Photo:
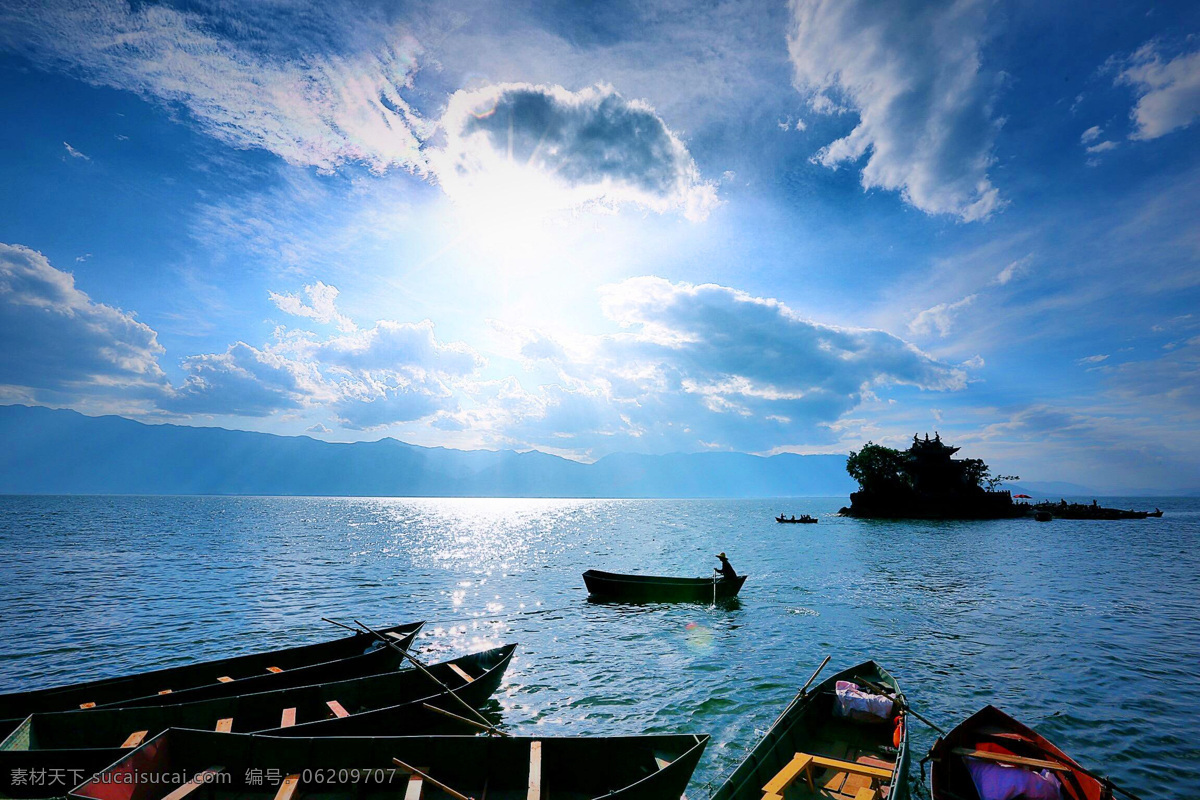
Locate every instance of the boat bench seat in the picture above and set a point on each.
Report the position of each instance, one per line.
(805, 763)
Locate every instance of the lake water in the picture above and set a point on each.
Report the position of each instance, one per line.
(1087, 631)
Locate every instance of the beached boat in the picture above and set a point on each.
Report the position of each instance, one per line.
(802, 519)
(991, 754)
(391, 704)
(240, 767)
(657, 589)
(112, 691)
(832, 742)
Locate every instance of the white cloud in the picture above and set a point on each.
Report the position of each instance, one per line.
(939, 318)
(321, 306)
(316, 102)
(389, 373)
(318, 428)
(1168, 90)
(1096, 359)
(553, 149)
(1091, 134)
(709, 363)
(1014, 269)
(58, 341)
(73, 153)
(914, 73)
(1102, 147)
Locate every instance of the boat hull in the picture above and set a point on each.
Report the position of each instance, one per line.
(119, 690)
(570, 768)
(613, 587)
(992, 730)
(83, 742)
(806, 725)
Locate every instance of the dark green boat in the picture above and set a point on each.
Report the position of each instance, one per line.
(810, 752)
(114, 691)
(243, 767)
(614, 587)
(82, 742)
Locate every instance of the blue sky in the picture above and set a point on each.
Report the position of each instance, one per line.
(585, 229)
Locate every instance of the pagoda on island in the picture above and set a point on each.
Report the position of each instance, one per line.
(925, 482)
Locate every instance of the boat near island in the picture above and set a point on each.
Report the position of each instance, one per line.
(614, 587)
(990, 754)
(847, 739)
(803, 518)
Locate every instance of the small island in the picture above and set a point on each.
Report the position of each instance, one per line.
(926, 482)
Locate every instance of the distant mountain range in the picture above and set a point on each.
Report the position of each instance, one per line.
(52, 451)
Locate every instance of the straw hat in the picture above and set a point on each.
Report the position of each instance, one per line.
(721, 556)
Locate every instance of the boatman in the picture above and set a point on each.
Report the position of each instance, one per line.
(726, 568)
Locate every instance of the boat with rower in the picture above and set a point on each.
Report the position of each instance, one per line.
(392, 704)
(614, 587)
(168, 680)
(803, 519)
(847, 739)
(990, 754)
(243, 767)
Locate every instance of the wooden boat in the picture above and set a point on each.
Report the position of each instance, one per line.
(991, 740)
(809, 752)
(802, 519)
(86, 741)
(241, 767)
(611, 586)
(113, 691)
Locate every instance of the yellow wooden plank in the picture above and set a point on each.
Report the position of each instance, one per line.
(337, 709)
(535, 771)
(165, 691)
(288, 787)
(289, 718)
(87, 705)
(134, 739)
(1006, 758)
(225, 725)
(785, 776)
(274, 669)
(866, 794)
(225, 679)
(195, 783)
(852, 767)
(460, 672)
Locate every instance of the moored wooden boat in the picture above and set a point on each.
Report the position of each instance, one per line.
(111, 691)
(993, 749)
(810, 752)
(392, 704)
(650, 588)
(241, 767)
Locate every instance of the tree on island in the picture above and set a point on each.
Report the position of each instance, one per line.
(925, 481)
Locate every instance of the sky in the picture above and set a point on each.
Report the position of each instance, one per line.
(648, 227)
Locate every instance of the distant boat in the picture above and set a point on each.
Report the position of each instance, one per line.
(991, 747)
(652, 589)
(805, 518)
(1155, 513)
(231, 766)
(1043, 516)
(858, 757)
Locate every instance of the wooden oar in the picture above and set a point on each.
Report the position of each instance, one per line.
(489, 727)
(900, 701)
(807, 683)
(427, 777)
